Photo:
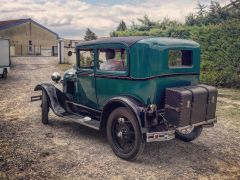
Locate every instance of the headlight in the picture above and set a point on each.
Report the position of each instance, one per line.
(56, 77)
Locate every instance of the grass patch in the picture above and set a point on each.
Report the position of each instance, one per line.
(232, 94)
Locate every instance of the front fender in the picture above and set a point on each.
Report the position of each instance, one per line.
(56, 97)
(133, 104)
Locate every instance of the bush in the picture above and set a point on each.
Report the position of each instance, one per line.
(220, 48)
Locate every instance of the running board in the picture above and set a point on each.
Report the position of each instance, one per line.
(86, 121)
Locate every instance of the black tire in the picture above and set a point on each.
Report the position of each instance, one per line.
(45, 107)
(130, 131)
(194, 134)
(5, 73)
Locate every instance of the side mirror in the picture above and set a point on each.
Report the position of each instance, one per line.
(69, 53)
(56, 77)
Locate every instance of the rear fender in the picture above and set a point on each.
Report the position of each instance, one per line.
(134, 105)
(56, 97)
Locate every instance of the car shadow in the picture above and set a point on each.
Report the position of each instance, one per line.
(77, 129)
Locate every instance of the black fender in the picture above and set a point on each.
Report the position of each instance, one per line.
(56, 97)
(132, 103)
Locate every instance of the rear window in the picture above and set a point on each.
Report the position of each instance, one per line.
(180, 58)
(112, 59)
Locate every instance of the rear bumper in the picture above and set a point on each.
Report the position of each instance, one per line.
(170, 134)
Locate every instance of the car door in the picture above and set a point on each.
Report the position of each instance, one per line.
(85, 89)
(111, 72)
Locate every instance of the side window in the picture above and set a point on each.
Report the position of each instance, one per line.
(112, 59)
(180, 58)
(86, 58)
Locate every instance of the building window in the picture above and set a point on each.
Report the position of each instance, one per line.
(30, 46)
(179, 58)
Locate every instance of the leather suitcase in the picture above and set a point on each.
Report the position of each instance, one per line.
(199, 103)
(211, 102)
(178, 106)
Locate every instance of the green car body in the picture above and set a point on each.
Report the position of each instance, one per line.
(146, 78)
(146, 90)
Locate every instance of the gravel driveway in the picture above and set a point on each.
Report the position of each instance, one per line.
(66, 150)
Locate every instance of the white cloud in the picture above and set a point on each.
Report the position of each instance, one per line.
(70, 18)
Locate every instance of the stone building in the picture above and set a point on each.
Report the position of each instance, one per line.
(29, 38)
(70, 45)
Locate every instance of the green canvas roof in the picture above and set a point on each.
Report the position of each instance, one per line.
(129, 41)
(164, 41)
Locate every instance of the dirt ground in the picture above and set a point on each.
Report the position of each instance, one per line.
(66, 150)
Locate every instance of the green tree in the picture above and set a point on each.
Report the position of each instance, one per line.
(165, 23)
(190, 20)
(236, 4)
(133, 26)
(201, 9)
(89, 35)
(201, 13)
(114, 34)
(122, 26)
(146, 23)
(214, 15)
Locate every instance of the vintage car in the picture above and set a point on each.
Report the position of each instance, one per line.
(137, 89)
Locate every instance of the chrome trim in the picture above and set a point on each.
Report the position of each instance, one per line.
(160, 136)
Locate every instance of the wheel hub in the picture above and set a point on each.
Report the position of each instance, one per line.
(121, 120)
(123, 131)
(120, 134)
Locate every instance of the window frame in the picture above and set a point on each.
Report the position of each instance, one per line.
(180, 49)
(80, 69)
(112, 73)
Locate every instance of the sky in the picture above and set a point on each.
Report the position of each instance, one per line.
(70, 18)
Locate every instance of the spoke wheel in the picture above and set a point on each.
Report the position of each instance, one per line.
(124, 135)
(189, 134)
(45, 107)
(186, 130)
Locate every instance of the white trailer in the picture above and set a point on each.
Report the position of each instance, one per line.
(4, 57)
